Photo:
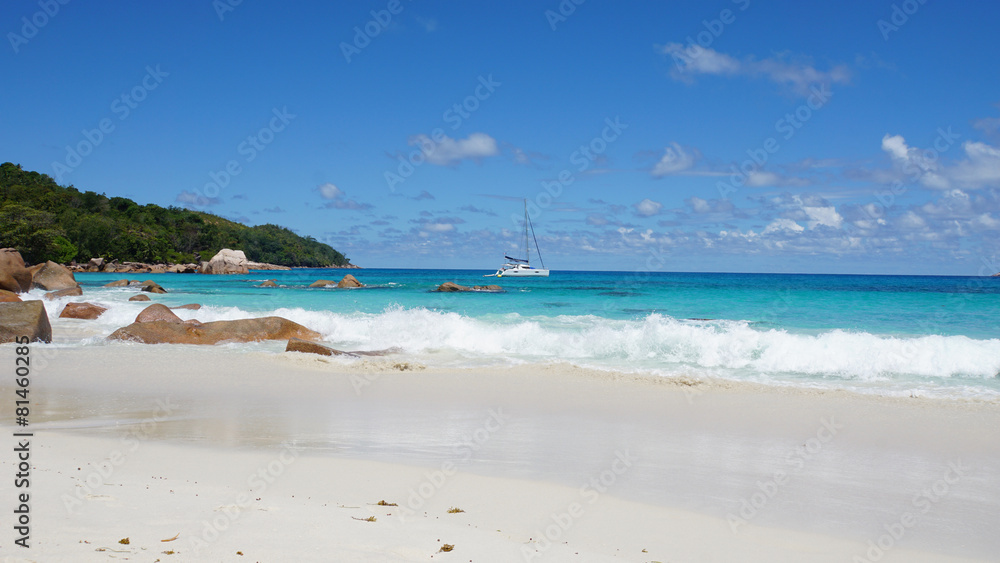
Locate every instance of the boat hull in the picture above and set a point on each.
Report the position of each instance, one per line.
(524, 273)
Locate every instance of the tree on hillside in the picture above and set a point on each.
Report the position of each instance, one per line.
(50, 222)
(34, 234)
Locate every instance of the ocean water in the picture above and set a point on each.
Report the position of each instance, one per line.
(933, 337)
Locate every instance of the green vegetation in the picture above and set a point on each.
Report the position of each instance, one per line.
(45, 221)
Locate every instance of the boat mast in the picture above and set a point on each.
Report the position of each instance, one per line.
(528, 225)
(527, 248)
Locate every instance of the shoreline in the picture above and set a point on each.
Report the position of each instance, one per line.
(128, 267)
(693, 386)
(787, 359)
(694, 458)
(70, 332)
(693, 382)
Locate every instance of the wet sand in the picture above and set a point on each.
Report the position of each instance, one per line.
(568, 464)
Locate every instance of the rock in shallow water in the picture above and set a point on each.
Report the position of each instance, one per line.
(8, 296)
(299, 345)
(305, 346)
(14, 277)
(27, 318)
(226, 261)
(69, 292)
(152, 287)
(81, 311)
(52, 277)
(349, 281)
(451, 287)
(243, 330)
(157, 312)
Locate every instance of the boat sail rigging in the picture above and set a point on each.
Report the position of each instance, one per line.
(521, 267)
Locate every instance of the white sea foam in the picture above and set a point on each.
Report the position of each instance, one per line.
(656, 343)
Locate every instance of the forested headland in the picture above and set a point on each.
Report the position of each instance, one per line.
(45, 221)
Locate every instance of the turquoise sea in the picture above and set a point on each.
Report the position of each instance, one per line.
(889, 335)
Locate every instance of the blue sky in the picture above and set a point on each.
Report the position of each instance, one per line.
(684, 136)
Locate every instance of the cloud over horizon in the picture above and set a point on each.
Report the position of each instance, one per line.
(648, 208)
(449, 152)
(675, 159)
(979, 168)
(336, 199)
(695, 60)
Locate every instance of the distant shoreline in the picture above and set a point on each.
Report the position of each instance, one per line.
(347, 267)
(98, 266)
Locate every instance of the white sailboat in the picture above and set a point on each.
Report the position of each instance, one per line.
(521, 268)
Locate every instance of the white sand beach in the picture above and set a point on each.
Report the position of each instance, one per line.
(254, 456)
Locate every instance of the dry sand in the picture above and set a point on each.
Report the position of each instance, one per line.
(283, 456)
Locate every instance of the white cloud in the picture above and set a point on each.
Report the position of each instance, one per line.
(451, 151)
(760, 178)
(329, 191)
(699, 60)
(980, 167)
(913, 162)
(779, 225)
(896, 146)
(438, 225)
(764, 178)
(954, 203)
(823, 216)
(912, 222)
(648, 208)
(699, 205)
(678, 160)
(702, 206)
(674, 160)
(338, 200)
(695, 60)
(987, 222)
